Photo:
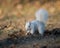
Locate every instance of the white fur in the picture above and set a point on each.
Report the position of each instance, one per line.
(41, 15)
(34, 26)
(39, 23)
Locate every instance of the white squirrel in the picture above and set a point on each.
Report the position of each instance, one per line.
(35, 25)
(38, 23)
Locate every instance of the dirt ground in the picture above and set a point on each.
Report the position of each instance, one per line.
(50, 40)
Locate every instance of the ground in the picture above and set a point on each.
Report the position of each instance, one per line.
(50, 40)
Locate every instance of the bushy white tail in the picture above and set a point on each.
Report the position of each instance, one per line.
(41, 15)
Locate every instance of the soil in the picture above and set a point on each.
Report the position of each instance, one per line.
(50, 40)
